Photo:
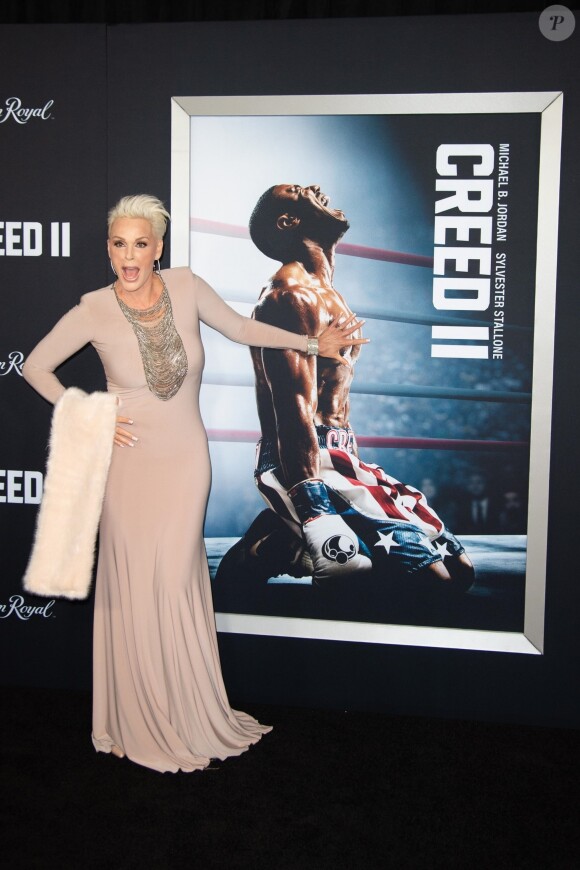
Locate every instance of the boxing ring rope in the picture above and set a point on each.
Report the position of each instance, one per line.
(211, 227)
(218, 228)
(240, 436)
(398, 316)
(377, 389)
(426, 319)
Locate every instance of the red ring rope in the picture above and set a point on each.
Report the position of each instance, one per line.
(241, 436)
(217, 228)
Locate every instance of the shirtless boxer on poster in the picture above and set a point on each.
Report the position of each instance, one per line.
(330, 513)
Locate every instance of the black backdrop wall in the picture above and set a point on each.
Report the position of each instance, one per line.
(100, 129)
(54, 194)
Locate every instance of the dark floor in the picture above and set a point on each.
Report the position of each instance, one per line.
(324, 789)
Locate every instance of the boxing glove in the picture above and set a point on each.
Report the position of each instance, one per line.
(334, 548)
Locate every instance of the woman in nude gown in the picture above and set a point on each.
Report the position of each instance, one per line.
(158, 693)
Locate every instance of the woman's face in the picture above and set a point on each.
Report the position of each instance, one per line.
(133, 250)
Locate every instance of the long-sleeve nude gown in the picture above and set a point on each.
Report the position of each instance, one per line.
(158, 692)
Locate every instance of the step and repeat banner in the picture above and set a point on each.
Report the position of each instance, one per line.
(52, 235)
(432, 149)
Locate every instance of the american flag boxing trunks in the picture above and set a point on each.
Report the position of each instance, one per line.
(390, 518)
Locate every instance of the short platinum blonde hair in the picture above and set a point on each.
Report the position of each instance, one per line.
(142, 205)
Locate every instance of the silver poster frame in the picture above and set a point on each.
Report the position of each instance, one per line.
(549, 105)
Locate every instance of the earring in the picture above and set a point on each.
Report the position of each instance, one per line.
(113, 268)
(157, 267)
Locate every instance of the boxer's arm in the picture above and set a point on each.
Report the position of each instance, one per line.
(292, 380)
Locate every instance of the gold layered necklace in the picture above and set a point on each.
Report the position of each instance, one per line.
(162, 351)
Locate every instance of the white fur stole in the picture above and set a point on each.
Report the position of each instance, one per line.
(80, 449)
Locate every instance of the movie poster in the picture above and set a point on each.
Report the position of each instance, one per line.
(448, 258)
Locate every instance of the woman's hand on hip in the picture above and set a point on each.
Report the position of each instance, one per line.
(123, 438)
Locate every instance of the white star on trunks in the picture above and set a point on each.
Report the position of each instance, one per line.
(386, 541)
(442, 550)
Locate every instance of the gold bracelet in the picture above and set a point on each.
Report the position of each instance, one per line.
(311, 346)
